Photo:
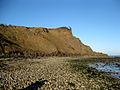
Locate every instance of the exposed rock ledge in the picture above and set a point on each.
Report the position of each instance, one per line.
(26, 41)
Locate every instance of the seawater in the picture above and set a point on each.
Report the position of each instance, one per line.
(113, 68)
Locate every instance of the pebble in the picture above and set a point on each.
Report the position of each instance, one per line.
(52, 73)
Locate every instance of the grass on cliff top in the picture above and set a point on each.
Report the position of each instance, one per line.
(81, 66)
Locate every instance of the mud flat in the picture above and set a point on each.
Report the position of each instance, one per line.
(58, 73)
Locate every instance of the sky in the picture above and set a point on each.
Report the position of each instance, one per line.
(95, 22)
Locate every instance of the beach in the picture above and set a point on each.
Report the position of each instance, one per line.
(54, 73)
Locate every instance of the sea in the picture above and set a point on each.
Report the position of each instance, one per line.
(113, 67)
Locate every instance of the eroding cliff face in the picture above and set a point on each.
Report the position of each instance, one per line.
(17, 40)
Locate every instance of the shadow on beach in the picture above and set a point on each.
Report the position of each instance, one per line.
(36, 85)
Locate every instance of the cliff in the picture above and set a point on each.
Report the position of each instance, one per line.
(26, 41)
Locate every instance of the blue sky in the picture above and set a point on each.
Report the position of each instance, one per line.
(95, 22)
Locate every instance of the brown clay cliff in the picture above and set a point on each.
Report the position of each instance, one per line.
(26, 41)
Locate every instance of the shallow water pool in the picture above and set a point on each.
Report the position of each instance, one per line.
(113, 68)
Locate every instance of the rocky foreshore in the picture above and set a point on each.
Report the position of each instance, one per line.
(53, 73)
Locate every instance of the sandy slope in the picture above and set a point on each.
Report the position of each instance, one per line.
(18, 40)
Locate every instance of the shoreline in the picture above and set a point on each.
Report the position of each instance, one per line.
(52, 73)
